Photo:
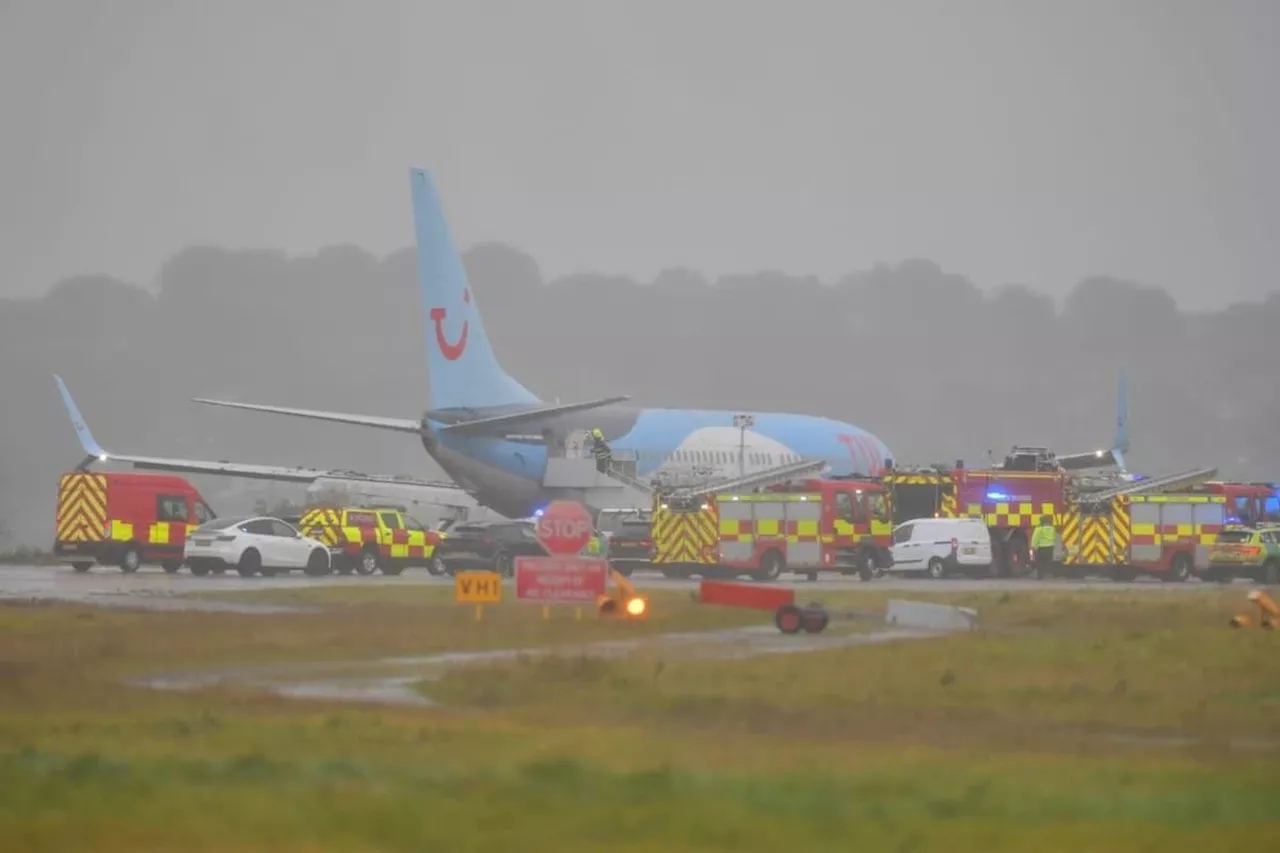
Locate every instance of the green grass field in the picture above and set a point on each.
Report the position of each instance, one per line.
(1096, 721)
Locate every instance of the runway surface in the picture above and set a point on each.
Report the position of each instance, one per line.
(151, 588)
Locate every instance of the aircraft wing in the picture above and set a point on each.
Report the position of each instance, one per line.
(96, 453)
(484, 425)
(395, 424)
(1092, 459)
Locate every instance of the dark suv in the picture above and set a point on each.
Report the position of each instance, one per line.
(488, 545)
(629, 535)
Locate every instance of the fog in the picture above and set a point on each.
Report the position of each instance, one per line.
(938, 367)
(1093, 185)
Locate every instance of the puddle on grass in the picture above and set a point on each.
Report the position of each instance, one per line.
(393, 679)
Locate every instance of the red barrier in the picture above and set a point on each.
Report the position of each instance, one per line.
(745, 595)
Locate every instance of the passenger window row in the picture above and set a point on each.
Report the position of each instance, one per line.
(714, 457)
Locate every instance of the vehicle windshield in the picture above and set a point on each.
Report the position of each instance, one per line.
(613, 522)
(223, 523)
(1229, 537)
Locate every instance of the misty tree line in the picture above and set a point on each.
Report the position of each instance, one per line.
(937, 367)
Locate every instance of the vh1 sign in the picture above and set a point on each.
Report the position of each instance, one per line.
(561, 580)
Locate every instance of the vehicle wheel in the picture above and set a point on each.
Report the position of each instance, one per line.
(369, 562)
(200, 570)
(219, 569)
(436, 566)
(318, 564)
(814, 619)
(171, 566)
(771, 567)
(1271, 572)
(812, 577)
(937, 570)
(788, 619)
(1013, 560)
(867, 568)
(504, 564)
(82, 567)
(130, 560)
(250, 563)
(1179, 569)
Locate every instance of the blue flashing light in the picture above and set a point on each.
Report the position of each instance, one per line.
(997, 496)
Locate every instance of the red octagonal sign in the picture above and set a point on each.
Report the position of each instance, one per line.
(564, 528)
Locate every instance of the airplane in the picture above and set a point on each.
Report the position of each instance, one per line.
(490, 434)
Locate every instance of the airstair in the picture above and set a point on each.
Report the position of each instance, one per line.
(578, 479)
(1167, 483)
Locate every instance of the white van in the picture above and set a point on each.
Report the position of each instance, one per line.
(941, 546)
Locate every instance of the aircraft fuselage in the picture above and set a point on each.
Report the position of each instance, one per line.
(505, 468)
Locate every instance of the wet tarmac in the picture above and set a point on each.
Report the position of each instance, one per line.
(153, 589)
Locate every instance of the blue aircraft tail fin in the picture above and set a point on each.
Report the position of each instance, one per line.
(93, 451)
(1120, 445)
(462, 368)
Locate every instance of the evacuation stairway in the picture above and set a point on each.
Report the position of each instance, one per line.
(578, 479)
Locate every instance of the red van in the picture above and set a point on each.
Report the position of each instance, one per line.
(125, 519)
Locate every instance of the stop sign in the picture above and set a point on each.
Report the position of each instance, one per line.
(564, 528)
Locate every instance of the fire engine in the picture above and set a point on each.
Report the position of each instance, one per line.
(1163, 527)
(1246, 503)
(804, 526)
(1011, 502)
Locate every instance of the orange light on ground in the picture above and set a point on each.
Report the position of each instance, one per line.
(636, 606)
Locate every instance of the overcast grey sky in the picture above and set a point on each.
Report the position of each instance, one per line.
(1009, 140)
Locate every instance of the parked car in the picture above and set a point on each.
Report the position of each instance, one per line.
(488, 545)
(253, 545)
(629, 537)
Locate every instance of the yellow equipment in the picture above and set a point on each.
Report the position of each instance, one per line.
(1268, 612)
(626, 602)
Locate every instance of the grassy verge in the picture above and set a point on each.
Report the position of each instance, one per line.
(1047, 667)
(982, 742)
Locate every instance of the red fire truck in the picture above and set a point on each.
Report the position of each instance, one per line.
(1246, 503)
(1011, 503)
(806, 527)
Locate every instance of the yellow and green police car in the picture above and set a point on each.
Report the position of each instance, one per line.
(1245, 552)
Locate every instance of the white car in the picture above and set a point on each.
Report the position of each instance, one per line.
(941, 546)
(253, 544)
